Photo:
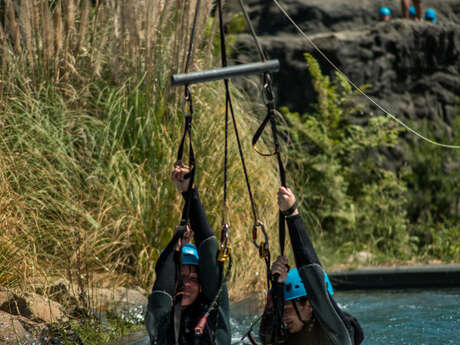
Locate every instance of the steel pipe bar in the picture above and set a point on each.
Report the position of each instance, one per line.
(224, 73)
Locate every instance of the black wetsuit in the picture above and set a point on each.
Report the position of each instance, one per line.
(332, 325)
(169, 324)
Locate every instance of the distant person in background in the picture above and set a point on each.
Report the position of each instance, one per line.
(412, 13)
(385, 14)
(417, 6)
(430, 15)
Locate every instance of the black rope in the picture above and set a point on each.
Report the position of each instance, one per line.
(188, 115)
(223, 53)
(191, 159)
(269, 100)
(192, 37)
(253, 32)
(269, 118)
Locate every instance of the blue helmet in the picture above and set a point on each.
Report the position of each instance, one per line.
(190, 255)
(385, 11)
(294, 287)
(430, 14)
(412, 11)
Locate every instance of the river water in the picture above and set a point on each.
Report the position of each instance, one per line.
(394, 317)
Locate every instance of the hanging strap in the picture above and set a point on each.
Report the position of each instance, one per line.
(188, 115)
(224, 253)
(191, 156)
(269, 100)
(225, 249)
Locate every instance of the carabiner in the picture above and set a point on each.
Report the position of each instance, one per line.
(225, 249)
(263, 246)
(267, 92)
(187, 99)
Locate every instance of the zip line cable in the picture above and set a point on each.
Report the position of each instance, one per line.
(391, 116)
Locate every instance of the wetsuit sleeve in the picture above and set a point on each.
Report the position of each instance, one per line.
(206, 242)
(158, 317)
(340, 328)
(304, 253)
(165, 270)
(160, 301)
(210, 270)
(198, 220)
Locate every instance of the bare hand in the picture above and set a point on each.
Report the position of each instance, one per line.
(177, 176)
(280, 266)
(186, 237)
(286, 198)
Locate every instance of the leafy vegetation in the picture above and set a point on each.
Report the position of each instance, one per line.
(431, 175)
(350, 200)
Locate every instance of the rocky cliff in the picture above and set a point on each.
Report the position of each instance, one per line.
(413, 67)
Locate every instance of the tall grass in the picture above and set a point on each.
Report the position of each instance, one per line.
(90, 127)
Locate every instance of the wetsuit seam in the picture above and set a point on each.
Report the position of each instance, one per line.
(204, 241)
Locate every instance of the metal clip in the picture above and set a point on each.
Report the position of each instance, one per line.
(267, 92)
(187, 99)
(225, 249)
(263, 246)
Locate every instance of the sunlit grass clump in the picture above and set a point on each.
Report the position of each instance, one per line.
(89, 132)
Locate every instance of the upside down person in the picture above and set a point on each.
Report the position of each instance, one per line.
(310, 314)
(181, 297)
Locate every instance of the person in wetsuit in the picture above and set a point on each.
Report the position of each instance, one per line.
(184, 290)
(310, 315)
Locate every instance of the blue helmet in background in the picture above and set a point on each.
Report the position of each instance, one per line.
(430, 14)
(385, 11)
(190, 255)
(294, 287)
(412, 11)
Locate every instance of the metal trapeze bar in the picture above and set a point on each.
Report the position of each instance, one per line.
(224, 73)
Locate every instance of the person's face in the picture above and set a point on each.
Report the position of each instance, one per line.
(385, 18)
(290, 318)
(189, 275)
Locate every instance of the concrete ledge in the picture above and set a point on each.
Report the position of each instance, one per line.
(420, 276)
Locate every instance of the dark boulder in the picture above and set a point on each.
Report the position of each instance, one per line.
(413, 67)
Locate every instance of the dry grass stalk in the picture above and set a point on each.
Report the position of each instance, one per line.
(14, 27)
(70, 15)
(100, 38)
(25, 17)
(149, 27)
(47, 36)
(134, 28)
(59, 38)
(4, 66)
(84, 22)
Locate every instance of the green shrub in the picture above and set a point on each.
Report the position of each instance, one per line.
(349, 200)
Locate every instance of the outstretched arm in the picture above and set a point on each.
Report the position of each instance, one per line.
(302, 246)
(340, 328)
(160, 301)
(206, 242)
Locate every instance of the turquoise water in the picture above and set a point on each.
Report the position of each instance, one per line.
(396, 317)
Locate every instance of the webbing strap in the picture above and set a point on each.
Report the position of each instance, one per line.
(224, 252)
(192, 37)
(191, 158)
(269, 118)
(188, 123)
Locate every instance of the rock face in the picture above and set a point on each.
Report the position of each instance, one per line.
(316, 16)
(28, 318)
(413, 67)
(23, 318)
